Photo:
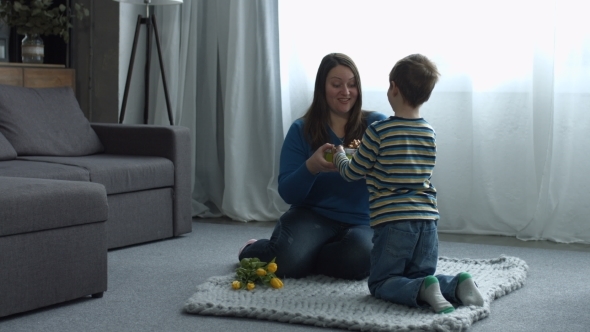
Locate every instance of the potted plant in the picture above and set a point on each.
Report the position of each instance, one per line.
(35, 18)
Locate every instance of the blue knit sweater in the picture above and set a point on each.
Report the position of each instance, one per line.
(326, 193)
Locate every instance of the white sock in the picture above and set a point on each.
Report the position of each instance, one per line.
(467, 291)
(430, 293)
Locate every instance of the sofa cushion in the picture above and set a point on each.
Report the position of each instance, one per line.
(45, 122)
(43, 170)
(6, 150)
(120, 173)
(28, 205)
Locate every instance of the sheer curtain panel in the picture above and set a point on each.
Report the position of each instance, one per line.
(511, 111)
(226, 64)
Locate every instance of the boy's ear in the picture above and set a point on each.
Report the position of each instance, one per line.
(394, 88)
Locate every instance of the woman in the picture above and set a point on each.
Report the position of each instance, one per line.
(326, 230)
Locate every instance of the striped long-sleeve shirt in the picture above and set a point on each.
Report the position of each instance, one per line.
(397, 157)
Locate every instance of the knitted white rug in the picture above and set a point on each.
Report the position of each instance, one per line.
(345, 304)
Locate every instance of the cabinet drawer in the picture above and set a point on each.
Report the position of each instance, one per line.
(11, 76)
(48, 78)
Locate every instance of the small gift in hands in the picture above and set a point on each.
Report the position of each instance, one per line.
(349, 150)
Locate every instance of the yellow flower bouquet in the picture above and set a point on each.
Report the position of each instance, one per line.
(252, 271)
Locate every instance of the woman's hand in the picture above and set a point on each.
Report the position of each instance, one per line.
(318, 163)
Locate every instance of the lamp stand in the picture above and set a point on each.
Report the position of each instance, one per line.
(150, 23)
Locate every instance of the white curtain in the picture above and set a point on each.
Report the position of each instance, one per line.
(225, 85)
(511, 111)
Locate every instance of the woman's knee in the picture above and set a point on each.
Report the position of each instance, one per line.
(348, 258)
(359, 240)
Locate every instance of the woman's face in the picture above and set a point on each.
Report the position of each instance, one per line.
(341, 89)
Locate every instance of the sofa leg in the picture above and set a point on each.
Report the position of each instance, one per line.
(97, 295)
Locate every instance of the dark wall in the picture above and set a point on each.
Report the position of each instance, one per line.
(95, 56)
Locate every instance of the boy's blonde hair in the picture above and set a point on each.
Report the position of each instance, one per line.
(415, 76)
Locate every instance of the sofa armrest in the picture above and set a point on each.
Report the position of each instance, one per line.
(171, 142)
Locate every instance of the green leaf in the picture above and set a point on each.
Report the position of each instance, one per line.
(35, 16)
(244, 262)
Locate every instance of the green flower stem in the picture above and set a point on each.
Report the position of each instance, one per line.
(246, 272)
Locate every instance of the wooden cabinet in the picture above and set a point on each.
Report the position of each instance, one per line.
(37, 76)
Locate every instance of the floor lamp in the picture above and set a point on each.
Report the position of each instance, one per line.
(152, 28)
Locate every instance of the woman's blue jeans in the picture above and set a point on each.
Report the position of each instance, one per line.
(306, 243)
(405, 252)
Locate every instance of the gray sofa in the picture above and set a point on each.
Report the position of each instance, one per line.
(70, 190)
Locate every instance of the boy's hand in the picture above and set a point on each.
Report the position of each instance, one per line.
(336, 150)
(317, 163)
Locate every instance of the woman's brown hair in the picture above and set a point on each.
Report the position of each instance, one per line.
(318, 115)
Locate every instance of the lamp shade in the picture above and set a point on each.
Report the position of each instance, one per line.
(152, 2)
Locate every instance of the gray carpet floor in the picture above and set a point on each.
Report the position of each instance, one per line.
(149, 284)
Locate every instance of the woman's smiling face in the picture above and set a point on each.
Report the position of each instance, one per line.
(341, 89)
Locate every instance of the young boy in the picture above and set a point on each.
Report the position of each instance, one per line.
(397, 157)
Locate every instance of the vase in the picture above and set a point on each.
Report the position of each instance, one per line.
(32, 48)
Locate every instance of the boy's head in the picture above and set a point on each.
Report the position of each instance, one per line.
(415, 76)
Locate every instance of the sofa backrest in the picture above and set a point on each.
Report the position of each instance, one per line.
(7, 152)
(45, 122)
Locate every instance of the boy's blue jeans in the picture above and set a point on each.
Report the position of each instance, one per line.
(404, 252)
(306, 243)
